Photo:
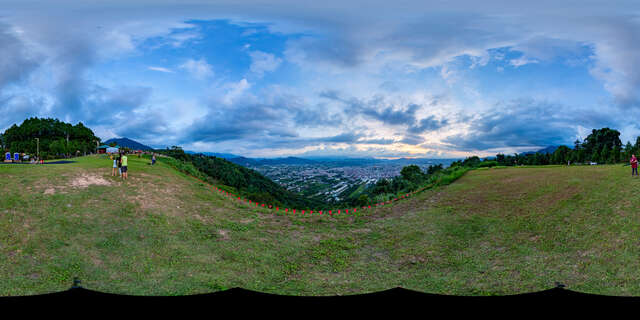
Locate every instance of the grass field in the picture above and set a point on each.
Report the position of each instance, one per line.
(493, 231)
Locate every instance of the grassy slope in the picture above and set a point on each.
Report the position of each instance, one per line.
(495, 231)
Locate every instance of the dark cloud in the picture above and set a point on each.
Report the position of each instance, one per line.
(16, 60)
(16, 108)
(428, 124)
(252, 121)
(526, 123)
(376, 108)
(412, 139)
(376, 141)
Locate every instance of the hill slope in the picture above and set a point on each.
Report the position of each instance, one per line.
(494, 231)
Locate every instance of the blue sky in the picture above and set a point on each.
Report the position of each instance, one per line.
(423, 79)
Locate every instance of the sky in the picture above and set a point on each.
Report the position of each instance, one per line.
(384, 79)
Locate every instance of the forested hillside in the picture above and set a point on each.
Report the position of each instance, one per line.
(56, 138)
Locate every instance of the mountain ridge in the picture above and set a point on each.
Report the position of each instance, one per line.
(128, 143)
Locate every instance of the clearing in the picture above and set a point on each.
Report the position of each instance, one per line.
(494, 231)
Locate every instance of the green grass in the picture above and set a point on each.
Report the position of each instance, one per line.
(492, 231)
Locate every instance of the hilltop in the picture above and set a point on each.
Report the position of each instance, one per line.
(493, 231)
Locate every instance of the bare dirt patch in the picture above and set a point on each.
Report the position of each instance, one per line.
(224, 234)
(50, 191)
(86, 180)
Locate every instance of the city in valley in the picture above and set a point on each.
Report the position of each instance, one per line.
(335, 180)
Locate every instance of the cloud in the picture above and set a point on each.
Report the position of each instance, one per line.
(412, 139)
(262, 62)
(199, 69)
(376, 108)
(521, 61)
(160, 69)
(235, 90)
(526, 123)
(16, 59)
(428, 124)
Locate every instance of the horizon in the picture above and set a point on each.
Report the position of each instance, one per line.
(426, 80)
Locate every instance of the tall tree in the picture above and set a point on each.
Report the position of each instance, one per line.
(600, 138)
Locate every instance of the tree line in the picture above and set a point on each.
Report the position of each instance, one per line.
(600, 146)
(56, 138)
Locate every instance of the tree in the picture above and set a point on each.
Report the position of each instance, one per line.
(22, 138)
(628, 150)
(561, 155)
(412, 173)
(600, 138)
(615, 155)
(605, 153)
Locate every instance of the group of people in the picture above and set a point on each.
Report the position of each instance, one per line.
(121, 163)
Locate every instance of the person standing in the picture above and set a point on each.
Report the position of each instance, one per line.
(124, 166)
(119, 159)
(153, 159)
(634, 165)
(115, 166)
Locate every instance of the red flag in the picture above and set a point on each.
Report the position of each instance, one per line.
(277, 209)
(302, 211)
(286, 210)
(263, 204)
(354, 210)
(311, 212)
(346, 211)
(294, 211)
(320, 212)
(269, 206)
(369, 207)
(338, 211)
(330, 212)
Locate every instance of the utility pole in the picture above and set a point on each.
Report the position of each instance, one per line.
(38, 148)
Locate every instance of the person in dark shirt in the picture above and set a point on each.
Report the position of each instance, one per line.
(120, 164)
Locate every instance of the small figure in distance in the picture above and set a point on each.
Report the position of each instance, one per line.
(153, 159)
(634, 165)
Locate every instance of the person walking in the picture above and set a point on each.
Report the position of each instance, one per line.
(634, 165)
(124, 166)
(153, 159)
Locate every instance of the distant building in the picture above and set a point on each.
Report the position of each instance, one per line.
(115, 149)
(103, 148)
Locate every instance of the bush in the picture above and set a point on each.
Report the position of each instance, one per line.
(488, 164)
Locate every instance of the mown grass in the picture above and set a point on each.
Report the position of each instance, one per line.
(493, 231)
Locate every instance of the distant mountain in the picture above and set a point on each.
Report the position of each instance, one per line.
(248, 162)
(214, 154)
(549, 149)
(128, 143)
(335, 161)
